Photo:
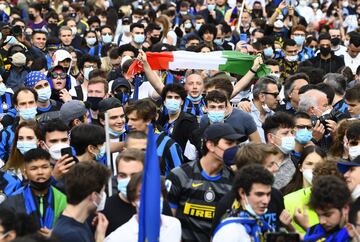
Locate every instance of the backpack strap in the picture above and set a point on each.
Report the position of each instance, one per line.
(79, 93)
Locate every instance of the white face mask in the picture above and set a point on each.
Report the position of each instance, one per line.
(126, 28)
(73, 30)
(308, 175)
(249, 208)
(87, 72)
(354, 151)
(55, 150)
(101, 205)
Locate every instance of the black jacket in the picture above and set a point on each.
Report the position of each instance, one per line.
(331, 65)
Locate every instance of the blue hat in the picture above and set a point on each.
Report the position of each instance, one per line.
(34, 77)
(343, 167)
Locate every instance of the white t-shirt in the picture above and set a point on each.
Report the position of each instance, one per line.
(353, 63)
(170, 231)
(231, 232)
(72, 92)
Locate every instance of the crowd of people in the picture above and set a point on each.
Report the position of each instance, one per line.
(270, 154)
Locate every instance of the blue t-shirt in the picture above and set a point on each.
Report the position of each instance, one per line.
(69, 230)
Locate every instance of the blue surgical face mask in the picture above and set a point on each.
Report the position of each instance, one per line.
(87, 71)
(2, 88)
(268, 52)
(218, 42)
(291, 58)
(28, 113)
(172, 105)
(116, 133)
(139, 38)
(194, 99)
(250, 210)
(287, 144)
(198, 26)
(303, 136)
(107, 39)
(44, 94)
(211, 7)
(229, 155)
(99, 156)
(25, 146)
(122, 185)
(216, 116)
(299, 39)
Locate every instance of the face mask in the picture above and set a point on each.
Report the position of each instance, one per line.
(216, 116)
(218, 42)
(250, 209)
(172, 105)
(87, 71)
(211, 7)
(345, 4)
(299, 40)
(122, 185)
(183, 13)
(73, 30)
(302, 2)
(134, 20)
(308, 175)
(187, 25)
(194, 99)
(198, 26)
(275, 75)
(55, 150)
(228, 39)
(123, 97)
(346, 43)
(325, 50)
(40, 186)
(28, 113)
(2, 88)
(72, 15)
(25, 146)
(154, 40)
(266, 108)
(107, 39)
(229, 155)
(251, 30)
(279, 24)
(116, 133)
(31, 17)
(94, 101)
(268, 52)
(287, 144)
(99, 156)
(10, 40)
(335, 41)
(101, 205)
(291, 58)
(315, 5)
(91, 41)
(303, 136)
(44, 94)
(354, 151)
(126, 28)
(139, 38)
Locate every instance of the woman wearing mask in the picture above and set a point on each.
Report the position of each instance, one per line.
(89, 41)
(170, 227)
(60, 84)
(187, 26)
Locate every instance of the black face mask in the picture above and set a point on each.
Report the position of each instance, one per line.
(335, 41)
(31, 17)
(72, 15)
(94, 101)
(40, 186)
(325, 51)
(257, 12)
(154, 40)
(123, 97)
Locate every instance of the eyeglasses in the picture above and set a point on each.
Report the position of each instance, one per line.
(56, 75)
(304, 127)
(274, 94)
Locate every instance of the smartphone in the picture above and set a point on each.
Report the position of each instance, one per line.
(282, 237)
(66, 151)
(243, 37)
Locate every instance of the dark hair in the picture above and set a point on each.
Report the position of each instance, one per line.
(215, 96)
(296, 182)
(207, 28)
(249, 175)
(271, 62)
(354, 211)
(302, 115)
(276, 121)
(353, 94)
(145, 109)
(262, 85)
(329, 192)
(221, 84)
(79, 178)
(84, 135)
(88, 58)
(289, 83)
(352, 132)
(151, 27)
(93, 19)
(53, 125)
(124, 48)
(289, 42)
(176, 88)
(21, 223)
(355, 40)
(23, 89)
(36, 6)
(36, 154)
(136, 25)
(134, 135)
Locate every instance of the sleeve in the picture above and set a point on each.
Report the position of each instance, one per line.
(250, 125)
(176, 155)
(174, 187)
(4, 139)
(226, 233)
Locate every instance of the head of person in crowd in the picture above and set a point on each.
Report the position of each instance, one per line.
(39, 82)
(106, 34)
(88, 140)
(62, 58)
(97, 90)
(38, 169)
(59, 82)
(35, 12)
(338, 83)
(90, 39)
(80, 195)
(354, 221)
(194, 86)
(128, 163)
(220, 84)
(38, 39)
(173, 97)
(207, 33)
(217, 138)
(27, 137)
(87, 63)
(187, 25)
(279, 131)
(140, 114)
(352, 99)
(138, 33)
(54, 138)
(351, 171)
(330, 199)
(192, 42)
(353, 48)
(116, 114)
(216, 103)
(274, 66)
(290, 50)
(298, 33)
(314, 102)
(153, 34)
(263, 154)
(136, 140)
(71, 23)
(303, 128)
(74, 113)
(24, 100)
(291, 88)
(252, 186)
(66, 35)
(266, 94)
(121, 90)
(352, 140)
(303, 177)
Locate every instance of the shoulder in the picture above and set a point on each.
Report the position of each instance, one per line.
(225, 231)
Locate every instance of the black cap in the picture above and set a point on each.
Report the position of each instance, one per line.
(343, 167)
(223, 131)
(109, 103)
(126, 20)
(120, 82)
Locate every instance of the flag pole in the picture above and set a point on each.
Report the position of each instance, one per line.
(240, 15)
(108, 154)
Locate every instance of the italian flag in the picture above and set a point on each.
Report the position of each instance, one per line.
(229, 61)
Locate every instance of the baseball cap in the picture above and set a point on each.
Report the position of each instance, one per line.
(120, 82)
(109, 103)
(72, 110)
(223, 131)
(343, 167)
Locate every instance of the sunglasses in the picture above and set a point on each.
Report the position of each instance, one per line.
(56, 75)
(304, 127)
(274, 94)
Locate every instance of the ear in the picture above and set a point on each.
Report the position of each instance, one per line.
(210, 145)
(102, 122)
(345, 211)
(91, 149)
(242, 194)
(11, 235)
(262, 97)
(312, 111)
(270, 138)
(42, 145)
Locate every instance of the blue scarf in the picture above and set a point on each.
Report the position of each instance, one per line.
(31, 207)
(195, 109)
(318, 233)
